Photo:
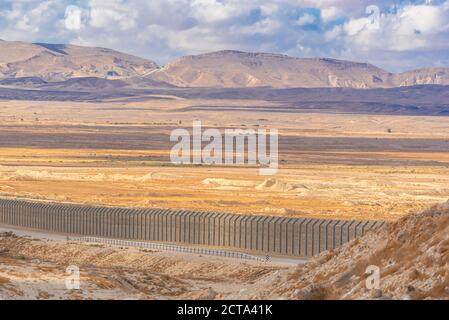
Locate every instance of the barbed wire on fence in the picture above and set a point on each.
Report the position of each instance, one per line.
(167, 247)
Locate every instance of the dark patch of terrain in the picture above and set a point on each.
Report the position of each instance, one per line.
(431, 100)
(57, 95)
(292, 149)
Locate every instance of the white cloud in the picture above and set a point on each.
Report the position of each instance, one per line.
(306, 19)
(424, 19)
(269, 8)
(267, 26)
(112, 14)
(329, 13)
(334, 33)
(72, 18)
(413, 27)
(210, 11)
(29, 20)
(411, 34)
(356, 26)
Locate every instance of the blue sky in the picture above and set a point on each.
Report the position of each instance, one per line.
(395, 35)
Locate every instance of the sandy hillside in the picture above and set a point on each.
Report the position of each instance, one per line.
(412, 254)
(36, 269)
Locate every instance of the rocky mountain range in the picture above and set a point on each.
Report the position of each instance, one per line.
(54, 62)
(60, 66)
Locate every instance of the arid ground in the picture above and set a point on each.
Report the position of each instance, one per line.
(411, 254)
(332, 165)
(92, 125)
(32, 268)
(116, 152)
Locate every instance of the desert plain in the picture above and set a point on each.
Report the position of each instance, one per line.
(377, 153)
(115, 151)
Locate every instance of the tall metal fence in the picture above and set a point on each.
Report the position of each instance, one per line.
(269, 235)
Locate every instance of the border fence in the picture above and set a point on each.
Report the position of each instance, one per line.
(283, 236)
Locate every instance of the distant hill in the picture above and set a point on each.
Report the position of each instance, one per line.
(424, 100)
(23, 82)
(59, 62)
(235, 69)
(228, 69)
(422, 76)
(39, 63)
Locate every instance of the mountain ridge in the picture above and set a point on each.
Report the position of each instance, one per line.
(59, 62)
(230, 68)
(218, 69)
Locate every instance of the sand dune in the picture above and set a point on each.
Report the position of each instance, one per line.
(276, 185)
(269, 185)
(45, 175)
(214, 182)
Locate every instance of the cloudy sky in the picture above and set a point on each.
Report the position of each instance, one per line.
(396, 35)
